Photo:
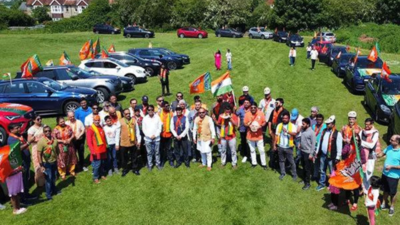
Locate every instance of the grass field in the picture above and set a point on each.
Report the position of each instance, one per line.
(195, 196)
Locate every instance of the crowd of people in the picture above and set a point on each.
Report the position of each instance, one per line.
(123, 139)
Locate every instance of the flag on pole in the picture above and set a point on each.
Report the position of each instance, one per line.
(31, 66)
(50, 63)
(378, 49)
(201, 84)
(95, 48)
(65, 60)
(10, 160)
(373, 55)
(85, 50)
(104, 53)
(111, 48)
(315, 34)
(324, 49)
(385, 72)
(338, 55)
(356, 57)
(221, 85)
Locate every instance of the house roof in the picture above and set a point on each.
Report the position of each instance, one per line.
(57, 2)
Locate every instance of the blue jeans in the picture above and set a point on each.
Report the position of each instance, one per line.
(324, 163)
(98, 168)
(229, 65)
(111, 158)
(50, 174)
(153, 151)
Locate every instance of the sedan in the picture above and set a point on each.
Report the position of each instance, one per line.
(44, 95)
(280, 36)
(105, 29)
(295, 40)
(394, 125)
(339, 64)
(171, 61)
(257, 32)
(136, 31)
(357, 74)
(191, 32)
(381, 96)
(228, 32)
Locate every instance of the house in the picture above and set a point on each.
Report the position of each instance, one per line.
(59, 9)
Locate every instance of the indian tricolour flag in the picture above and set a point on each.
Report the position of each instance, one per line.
(222, 85)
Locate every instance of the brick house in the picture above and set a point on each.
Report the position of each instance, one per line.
(59, 9)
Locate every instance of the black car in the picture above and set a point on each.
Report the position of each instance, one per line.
(381, 96)
(185, 58)
(280, 36)
(152, 67)
(105, 29)
(228, 32)
(394, 125)
(295, 40)
(331, 54)
(339, 64)
(171, 61)
(135, 31)
(358, 73)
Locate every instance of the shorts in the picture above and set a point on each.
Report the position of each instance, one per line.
(389, 185)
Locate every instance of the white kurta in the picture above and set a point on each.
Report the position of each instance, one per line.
(204, 146)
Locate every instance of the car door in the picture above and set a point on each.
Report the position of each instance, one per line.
(110, 68)
(374, 94)
(95, 66)
(16, 93)
(192, 32)
(45, 100)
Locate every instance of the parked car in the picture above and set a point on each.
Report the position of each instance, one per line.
(191, 32)
(105, 29)
(280, 36)
(357, 74)
(329, 36)
(136, 31)
(13, 113)
(104, 85)
(381, 96)
(128, 84)
(331, 54)
(339, 64)
(255, 32)
(167, 52)
(228, 32)
(394, 125)
(295, 40)
(152, 67)
(171, 61)
(45, 95)
(110, 66)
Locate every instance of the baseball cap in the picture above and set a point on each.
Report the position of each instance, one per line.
(267, 91)
(294, 114)
(352, 114)
(331, 119)
(145, 98)
(314, 109)
(245, 88)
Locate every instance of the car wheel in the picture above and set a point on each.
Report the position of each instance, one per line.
(102, 94)
(133, 77)
(250, 36)
(262, 37)
(112, 32)
(97, 32)
(200, 36)
(128, 35)
(70, 106)
(218, 35)
(146, 35)
(181, 35)
(234, 36)
(3, 137)
(149, 71)
(172, 65)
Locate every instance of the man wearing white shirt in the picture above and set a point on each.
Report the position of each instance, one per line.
(89, 118)
(103, 113)
(132, 106)
(229, 59)
(112, 133)
(314, 57)
(203, 137)
(267, 105)
(179, 129)
(152, 127)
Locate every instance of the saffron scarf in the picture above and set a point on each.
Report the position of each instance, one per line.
(199, 124)
(131, 129)
(166, 120)
(330, 141)
(276, 115)
(178, 123)
(49, 148)
(226, 130)
(99, 140)
(64, 135)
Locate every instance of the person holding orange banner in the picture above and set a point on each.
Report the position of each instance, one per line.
(97, 143)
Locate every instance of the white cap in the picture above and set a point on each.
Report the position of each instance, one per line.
(267, 91)
(330, 119)
(245, 88)
(352, 114)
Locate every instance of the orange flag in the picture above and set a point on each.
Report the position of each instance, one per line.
(31, 66)
(373, 55)
(347, 174)
(104, 53)
(386, 72)
(200, 84)
(85, 50)
(338, 55)
(111, 48)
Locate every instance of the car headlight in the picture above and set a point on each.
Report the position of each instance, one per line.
(82, 96)
(385, 109)
(11, 118)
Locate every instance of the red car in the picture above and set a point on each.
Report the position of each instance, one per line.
(191, 32)
(11, 113)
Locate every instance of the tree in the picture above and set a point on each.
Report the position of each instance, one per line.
(40, 14)
(261, 14)
(227, 12)
(389, 11)
(188, 13)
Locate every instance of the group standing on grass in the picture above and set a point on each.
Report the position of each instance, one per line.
(145, 135)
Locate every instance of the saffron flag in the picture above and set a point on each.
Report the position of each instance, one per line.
(95, 48)
(222, 85)
(373, 55)
(201, 84)
(104, 53)
(338, 55)
(315, 34)
(85, 50)
(111, 48)
(65, 60)
(356, 57)
(324, 49)
(385, 72)
(10, 160)
(31, 66)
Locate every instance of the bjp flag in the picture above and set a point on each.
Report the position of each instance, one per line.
(10, 160)
(201, 84)
(111, 48)
(85, 50)
(31, 66)
(373, 55)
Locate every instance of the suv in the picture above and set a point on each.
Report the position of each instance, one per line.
(329, 36)
(136, 31)
(170, 60)
(152, 67)
(260, 33)
(105, 29)
(185, 58)
(191, 32)
(358, 74)
(110, 66)
(12, 113)
(75, 76)
(228, 32)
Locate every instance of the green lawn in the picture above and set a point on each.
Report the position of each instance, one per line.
(195, 196)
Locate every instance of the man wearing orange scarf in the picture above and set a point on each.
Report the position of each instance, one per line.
(228, 122)
(129, 143)
(347, 130)
(97, 143)
(166, 135)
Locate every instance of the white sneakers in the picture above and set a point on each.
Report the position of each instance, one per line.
(85, 169)
(244, 159)
(20, 211)
(2, 207)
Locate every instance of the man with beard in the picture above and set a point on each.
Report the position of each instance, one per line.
(82, 112)
(129, 143)
(347, 130)
(174, 104)
(267, 105)
(317, 128)
(166, 135)
(313, 116)
(159, 107)
(89, 118)
(192, 116)
(244, 147)
(115, 104)
(307, 146)
(203, 137)
(245, 95)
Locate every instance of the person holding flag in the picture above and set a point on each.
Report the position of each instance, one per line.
(371, 147)
(228, 123)
(97, 144)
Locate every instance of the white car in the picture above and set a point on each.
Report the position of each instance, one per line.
(329, 36)
(110, 66)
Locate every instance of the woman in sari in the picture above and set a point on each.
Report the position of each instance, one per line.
(35, 133)
(67, 158)
(218, 58)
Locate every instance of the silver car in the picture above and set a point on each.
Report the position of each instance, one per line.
(255, 32)
(329, 36)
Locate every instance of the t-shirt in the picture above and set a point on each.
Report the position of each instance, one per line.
(267, 107)
(241, 113)
(314, 54)
(256, 120)
(392, 159)
(284, 136)
(235, 119)
(298, 123)
(42, 148)
(112, 133)
(228, 56)
(80, 113)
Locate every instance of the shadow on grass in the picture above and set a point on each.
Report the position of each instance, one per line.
(65, 183)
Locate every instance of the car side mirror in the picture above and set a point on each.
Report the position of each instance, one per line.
(74, 77)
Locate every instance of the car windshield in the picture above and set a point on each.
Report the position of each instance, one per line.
(296, 37)
(365, 63)
(79, 72)
(329, 34)
(54, 84)
(167, 52)
(391, 88)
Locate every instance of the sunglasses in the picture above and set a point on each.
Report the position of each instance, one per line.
(150, 110)
(179, 96)
(38, 119)
(127, 114)
(202, 112)
(160, 100)
(46, 131)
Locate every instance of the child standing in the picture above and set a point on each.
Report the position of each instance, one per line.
(229, 59)
(371, 199)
